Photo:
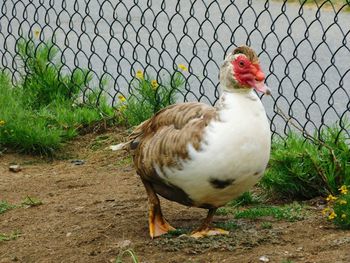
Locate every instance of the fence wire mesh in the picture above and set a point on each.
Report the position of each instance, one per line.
(303, 47)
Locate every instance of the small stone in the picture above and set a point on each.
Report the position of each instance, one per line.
(299, 249)
(78, 162)
(264, 259)
(15, 168)
(68, 234)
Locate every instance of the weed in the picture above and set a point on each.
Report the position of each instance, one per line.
(246, 198)
(41, 113)
(227, 225)
(266, 225)
(124, 161)
(148, 96)
(338, 208)
(5, 206)
(303, 169)
(224, 211)
(99, 142)
(31, 201)
(129, 252)
(292, 212)
(43, 81)
(12, 236)
(23, 129)
(177, 232)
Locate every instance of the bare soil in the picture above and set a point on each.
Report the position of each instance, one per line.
(95, 209)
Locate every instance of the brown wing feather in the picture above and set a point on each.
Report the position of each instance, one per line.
(162, 140)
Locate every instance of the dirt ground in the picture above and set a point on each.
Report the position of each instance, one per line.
(95, 209)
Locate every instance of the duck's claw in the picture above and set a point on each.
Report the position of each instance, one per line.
(158, 225)
(209, 232)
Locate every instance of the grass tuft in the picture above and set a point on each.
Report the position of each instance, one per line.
(12, 236)
(304, 169)
(5, 206)
(176, 232)
(128, 252)
(227, 225)
(245, 199)
(338, 208)
(291, 212)
(266, 225)
(31, 202)
(147, 96)
(42, 112)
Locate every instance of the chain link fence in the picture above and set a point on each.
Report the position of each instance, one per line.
(303, 47)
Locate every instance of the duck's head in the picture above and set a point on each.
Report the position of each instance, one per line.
(241, 71)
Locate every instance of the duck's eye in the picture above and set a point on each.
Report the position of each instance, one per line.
(241, 63)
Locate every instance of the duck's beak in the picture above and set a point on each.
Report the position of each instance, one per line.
(259, 82)
(261, 87)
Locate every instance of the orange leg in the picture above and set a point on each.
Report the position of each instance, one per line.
(157, 223)
(206, 230)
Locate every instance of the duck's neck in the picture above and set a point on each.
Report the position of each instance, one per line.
(229, 98)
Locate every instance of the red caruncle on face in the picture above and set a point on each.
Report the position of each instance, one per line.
(247, 73)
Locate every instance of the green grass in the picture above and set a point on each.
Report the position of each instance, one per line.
(291, 212)
(5, 206)
(147, 96)
(43, 81)
(31, 202)
(245, 199)
(130, 253)
(99, 142)
(27, 202)
(23, 129)
(338, 208)
(266, 225)
(41, 113)
(176, 232)
(124, 161)
(303, 169)
(7, 237)
(227, 225)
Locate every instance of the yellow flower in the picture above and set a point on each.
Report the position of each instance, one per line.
(325, 211)
(182, 67)
(139, 74)
(154, 84)
(343, 189)
(343, 202)
(332, 215)
(2, 122)
(121, 98)
(331, 198)
(343, 216)
(37, 33)
(122, 108)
